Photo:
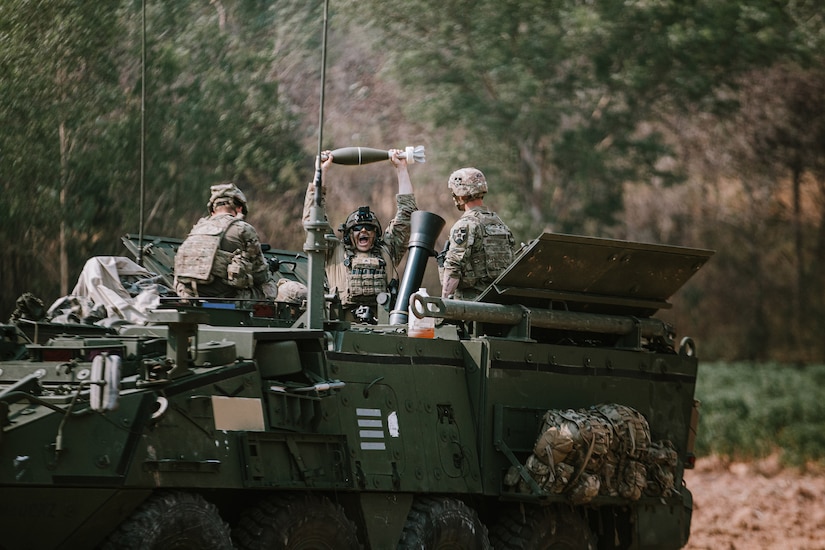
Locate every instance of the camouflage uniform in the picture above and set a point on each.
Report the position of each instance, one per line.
(479, 249)
(222, 258)
(291, 292)
(359, 277)
(480, 246)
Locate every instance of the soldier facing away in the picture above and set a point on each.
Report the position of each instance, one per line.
(222, 256)
(480, 246)
(361, 264)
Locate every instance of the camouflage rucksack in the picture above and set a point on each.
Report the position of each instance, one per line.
(605, 449)
(622, 472)
(662, 460)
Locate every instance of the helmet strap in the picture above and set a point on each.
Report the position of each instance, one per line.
(459, 202)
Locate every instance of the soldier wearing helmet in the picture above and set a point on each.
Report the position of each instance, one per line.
(222, 256)
(480, 246)
(362, 264)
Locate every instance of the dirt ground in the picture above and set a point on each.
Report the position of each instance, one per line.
(757, 505)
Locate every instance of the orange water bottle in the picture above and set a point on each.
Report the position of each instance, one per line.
(420, 328)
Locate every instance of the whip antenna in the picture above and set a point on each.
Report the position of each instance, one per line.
(142, 131)
(316, 227)
(321, 104)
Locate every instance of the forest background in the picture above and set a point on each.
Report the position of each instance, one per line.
(697, 123)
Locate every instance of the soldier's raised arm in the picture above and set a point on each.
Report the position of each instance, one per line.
(309, 199)
(405, 186)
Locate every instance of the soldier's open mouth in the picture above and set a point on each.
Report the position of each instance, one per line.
(363, 239)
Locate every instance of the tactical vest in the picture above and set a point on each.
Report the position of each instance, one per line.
(495, 252)
(366, 276)
(200, 258)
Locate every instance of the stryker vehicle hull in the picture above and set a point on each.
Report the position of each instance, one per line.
(359, 434)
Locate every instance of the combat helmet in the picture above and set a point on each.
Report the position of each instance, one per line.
(363, 215)
(467, 184)
(226, 192)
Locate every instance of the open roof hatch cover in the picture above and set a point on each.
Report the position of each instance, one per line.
(595, 275)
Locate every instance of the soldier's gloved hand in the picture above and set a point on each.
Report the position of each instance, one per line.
(439, 258)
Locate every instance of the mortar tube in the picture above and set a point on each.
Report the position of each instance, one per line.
(426, 227)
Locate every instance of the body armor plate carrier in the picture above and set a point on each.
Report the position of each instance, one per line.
(195, 259)
(367, 276)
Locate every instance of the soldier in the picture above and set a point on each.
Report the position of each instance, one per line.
(480, 245)
(222, 257)
(362, 263)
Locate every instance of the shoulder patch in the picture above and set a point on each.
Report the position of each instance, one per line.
(459, 235)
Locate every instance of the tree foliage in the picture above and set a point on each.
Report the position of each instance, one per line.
(692, 122)
(750, 411)
(214, 113)
(71, 111)
(57, 89)
(557, 93)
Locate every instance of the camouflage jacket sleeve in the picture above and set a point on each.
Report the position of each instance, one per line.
(462, 239)
(309, 199)
(397, 234)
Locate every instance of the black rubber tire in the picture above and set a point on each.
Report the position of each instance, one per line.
(172, 521)
(541, 528)
(441, 523)
(297, 522)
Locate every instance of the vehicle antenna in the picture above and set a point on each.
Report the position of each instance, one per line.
(315, 245)
(321, 103)
(142, 131)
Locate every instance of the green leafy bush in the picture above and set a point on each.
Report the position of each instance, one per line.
(751, 410)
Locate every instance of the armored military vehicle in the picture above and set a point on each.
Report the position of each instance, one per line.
(555, 411)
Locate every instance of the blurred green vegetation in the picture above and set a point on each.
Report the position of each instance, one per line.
(750, 410)
(694, 123)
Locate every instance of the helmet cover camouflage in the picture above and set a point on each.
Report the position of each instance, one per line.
(467, 182)
(227, 191)
(361, 216)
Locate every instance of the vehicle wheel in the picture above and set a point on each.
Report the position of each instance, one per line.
(542, 528)
(296, 522)
(443, 524)
(172, 521)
